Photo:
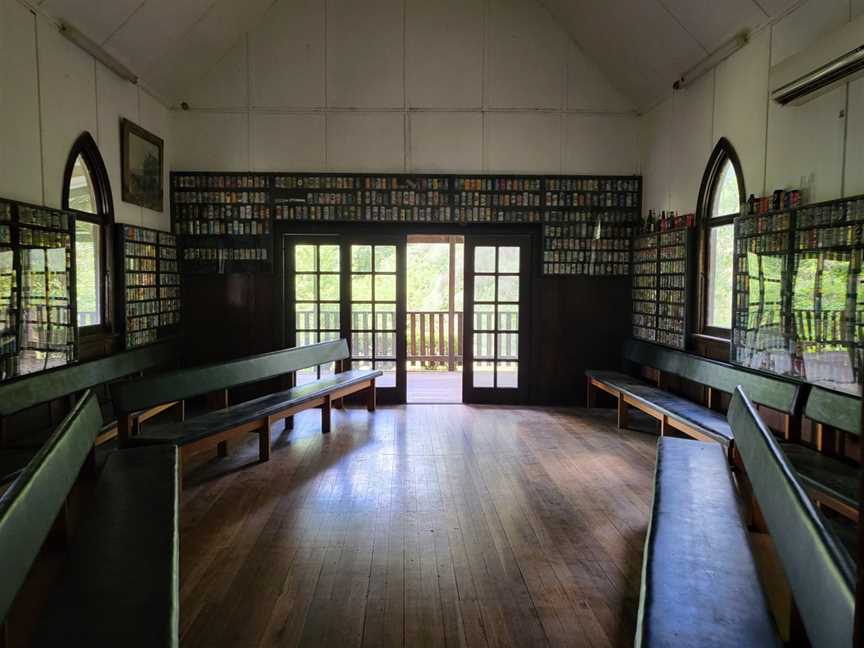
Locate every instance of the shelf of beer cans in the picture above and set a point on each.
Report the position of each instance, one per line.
(798, 306)
(37, 315)
(226, 221)
(151, 285)
(661, 273)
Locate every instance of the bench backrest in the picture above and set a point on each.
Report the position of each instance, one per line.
(842, 411)
(29, 507)
(819, 571)
(776, 393)
(135, 395)
(27, 392)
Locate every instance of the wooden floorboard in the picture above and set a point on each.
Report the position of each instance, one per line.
(421, 525)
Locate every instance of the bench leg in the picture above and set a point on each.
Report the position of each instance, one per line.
(222, 449)
(264, 442)
(622, 413)
(289, 422)
(371, 398)
(591, 398)
(325, 416)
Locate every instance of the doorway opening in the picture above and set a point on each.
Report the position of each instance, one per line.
(434, 320)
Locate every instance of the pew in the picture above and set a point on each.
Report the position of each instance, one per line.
(693, 419)
(16, 396)
(700, 586)
(228, 422)
(118, 584)
(820, 572)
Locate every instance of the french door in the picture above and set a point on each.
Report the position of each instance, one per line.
(376, 307)
(352, 288)
(496, 318)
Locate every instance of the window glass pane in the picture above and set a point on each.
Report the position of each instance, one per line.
(508, 259)
(508, 288)
(484, 317)
(726, 197)
(306, 375)
(385, 317)
(508, 346)
(88, 271)
(361, 317)
(385, 344)
(329, 314)
(507, 375)
(385, 287)
(484, 259)
(484, 288)
(305, 287)
(835, 283)
(329, 287)
(361, 258)
(508, 317)
(304, 258)
(389, 377)
(81, 195)
(305, 319)
(720, 246)
(306, 337)
(361, 287)
(385, 258)
(361, 345)
(484, 374)
(329, 258)
(484, 345)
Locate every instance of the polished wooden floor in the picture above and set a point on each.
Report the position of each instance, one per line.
(420, 525)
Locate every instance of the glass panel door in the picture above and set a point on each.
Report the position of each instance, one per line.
(314, 304)
(377, 313)
(496, 298)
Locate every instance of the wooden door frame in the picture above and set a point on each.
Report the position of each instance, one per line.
(495, 395)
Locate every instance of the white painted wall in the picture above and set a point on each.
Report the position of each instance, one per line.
(818, 147)
(50, 92)
(406, 85)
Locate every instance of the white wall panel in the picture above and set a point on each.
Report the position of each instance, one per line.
(20, 155)
(293, 142)
(601, 144)
(655, 142)
(446, 141)
(157, 119)
(811, 20)
(588, 88)
(854, 171)
(523, 142)
(286, 56)
(691, 142)
(68, 93)
(526, 54)
(210, 141)
(857, 8)
(117, 99)
(805, 146)
(741, 108)
(225, 85)
(358, 141)
(364, 54)
(444, 57)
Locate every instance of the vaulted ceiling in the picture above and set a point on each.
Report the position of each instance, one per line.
(641, 45)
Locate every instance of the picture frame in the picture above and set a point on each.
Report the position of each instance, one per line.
(142, 166)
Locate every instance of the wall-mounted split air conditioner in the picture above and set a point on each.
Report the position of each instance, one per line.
(828, 63)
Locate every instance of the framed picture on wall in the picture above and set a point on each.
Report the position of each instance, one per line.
(142, 166)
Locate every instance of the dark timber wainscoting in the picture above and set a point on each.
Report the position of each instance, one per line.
(577, 322)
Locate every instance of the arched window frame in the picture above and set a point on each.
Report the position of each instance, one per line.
(86, 147)
(723, 152)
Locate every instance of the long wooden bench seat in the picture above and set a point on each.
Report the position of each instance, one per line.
(691, 418)
(830, 479)
(118, 584)
(16, 396)
(217, 428)
(820, 573)
(700, 586)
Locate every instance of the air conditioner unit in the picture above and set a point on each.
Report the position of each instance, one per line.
(828, 63)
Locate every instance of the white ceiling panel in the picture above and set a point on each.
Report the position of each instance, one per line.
(712, 22)
(96, 18)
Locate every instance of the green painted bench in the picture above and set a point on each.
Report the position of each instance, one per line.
(820, 572)
(215, 429)
(700, 585)
(672, 411)
(66, 382)
(830, 480)
(118, 585)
